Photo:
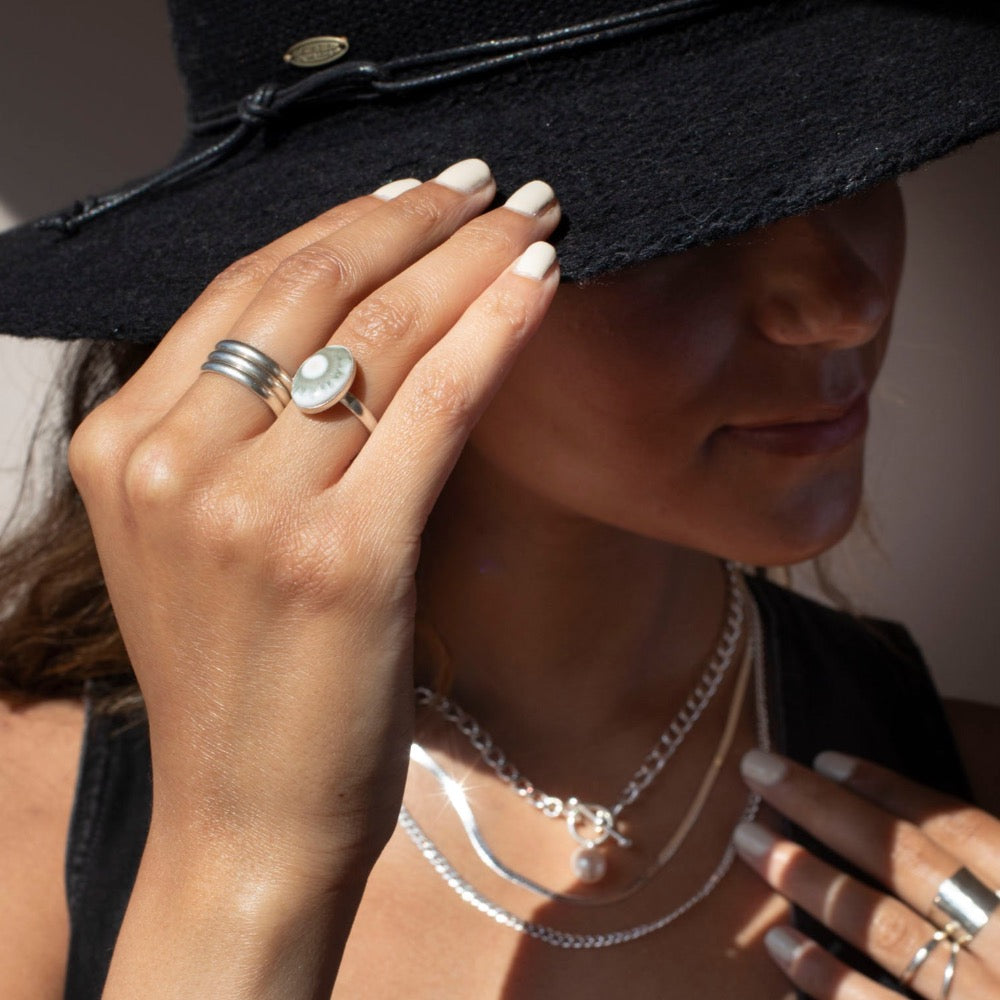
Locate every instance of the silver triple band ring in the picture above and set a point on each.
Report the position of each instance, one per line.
(322, 380)
(253, 369)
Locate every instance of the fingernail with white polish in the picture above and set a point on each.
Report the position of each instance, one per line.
(834, 765)
(536, 261)
(783, 945)
(762, 767)
(532, 199)
(395, 188)
(753, 839)
(466, 176)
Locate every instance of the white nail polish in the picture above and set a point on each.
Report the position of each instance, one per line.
(834, 765)
(763, 768)
(753, 839)
(536, 261)
(532, 199)
(395, 188)
(466, 176)
(783, 945)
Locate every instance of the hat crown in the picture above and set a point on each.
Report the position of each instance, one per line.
(227, 48)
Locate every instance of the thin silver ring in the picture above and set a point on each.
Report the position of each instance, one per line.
(963, 906)
(324, 379)
(921, 956)
(252, 369)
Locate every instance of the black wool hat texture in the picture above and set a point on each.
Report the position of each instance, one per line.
(660, 128)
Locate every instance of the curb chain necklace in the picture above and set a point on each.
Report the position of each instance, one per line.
(573, 941)
(590, 824)
(458, 800)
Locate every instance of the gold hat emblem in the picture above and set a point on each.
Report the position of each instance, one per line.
(318, 51)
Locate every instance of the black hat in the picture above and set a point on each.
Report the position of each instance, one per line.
(660, 128)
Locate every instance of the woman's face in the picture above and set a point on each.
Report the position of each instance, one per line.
(638, 404)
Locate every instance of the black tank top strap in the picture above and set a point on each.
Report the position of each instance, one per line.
(107, 834)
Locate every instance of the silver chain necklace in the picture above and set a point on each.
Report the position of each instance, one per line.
(573, 941)
(455, 795)
(591, 824)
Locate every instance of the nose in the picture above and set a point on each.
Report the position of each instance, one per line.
(813, 287)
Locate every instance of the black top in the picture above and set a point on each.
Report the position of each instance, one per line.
(834, 682)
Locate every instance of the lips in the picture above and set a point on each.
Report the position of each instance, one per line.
(823, 429)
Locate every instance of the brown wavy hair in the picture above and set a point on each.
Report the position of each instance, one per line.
(57, 629)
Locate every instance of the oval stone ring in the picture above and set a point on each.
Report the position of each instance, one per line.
(323, 380)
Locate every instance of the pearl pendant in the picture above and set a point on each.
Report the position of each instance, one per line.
(589, 865)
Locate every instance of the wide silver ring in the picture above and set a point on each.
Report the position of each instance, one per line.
(252, 369)
(963, 906)
(324, 379)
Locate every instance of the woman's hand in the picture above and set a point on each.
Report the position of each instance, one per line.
(261, 569)
(907, 837)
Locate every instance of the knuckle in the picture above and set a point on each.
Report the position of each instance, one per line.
(891, 931)
(911, 852)
(501, 307)
(383, 320)
(490, 241)
(248, 274)
(95, 448)
(443, 394)
(311, 266)
(424, 210)
(156, 475)
(963, 826)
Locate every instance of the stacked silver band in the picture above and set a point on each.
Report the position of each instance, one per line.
(252, 369)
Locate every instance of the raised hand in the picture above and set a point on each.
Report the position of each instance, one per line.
(261, 567)
(916, 843)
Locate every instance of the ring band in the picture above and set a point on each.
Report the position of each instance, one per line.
(323, 380)
(924, 952)
(966, 905)
(252, 369)
(921, 956)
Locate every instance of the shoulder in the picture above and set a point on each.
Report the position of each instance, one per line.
(976, 726)
(39, 750)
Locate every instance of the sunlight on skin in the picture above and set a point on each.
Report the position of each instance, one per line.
(774, 911)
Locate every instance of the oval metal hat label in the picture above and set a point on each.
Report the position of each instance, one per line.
(318, 51)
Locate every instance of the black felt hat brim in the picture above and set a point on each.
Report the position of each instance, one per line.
(653, 146)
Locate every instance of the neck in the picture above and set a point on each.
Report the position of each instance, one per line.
(557, 627)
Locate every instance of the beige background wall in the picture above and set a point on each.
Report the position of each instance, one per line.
(88, 98)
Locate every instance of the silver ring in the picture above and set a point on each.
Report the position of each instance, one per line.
(921, 956)
(323, 380)
(966, 905)
(253, 369)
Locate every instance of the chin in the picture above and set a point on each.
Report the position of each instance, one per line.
(805, 526)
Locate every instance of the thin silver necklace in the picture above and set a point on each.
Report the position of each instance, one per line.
(591, 824)
(459, 801)
(573, 941)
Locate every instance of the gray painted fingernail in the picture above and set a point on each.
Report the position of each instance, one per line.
(763, 768)
(783, 945)
(753, 839)
(834, 765)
